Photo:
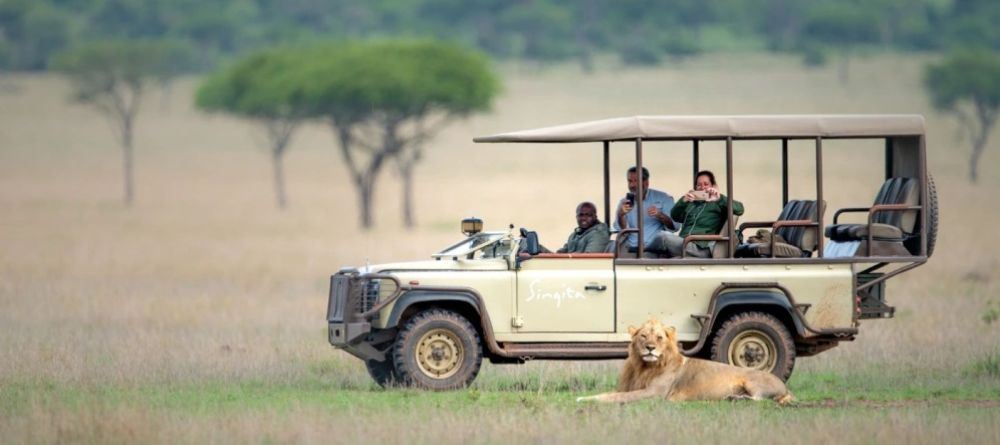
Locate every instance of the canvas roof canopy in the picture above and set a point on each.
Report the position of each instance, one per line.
(721, 127)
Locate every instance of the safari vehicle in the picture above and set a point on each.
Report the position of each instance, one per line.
(760, 305)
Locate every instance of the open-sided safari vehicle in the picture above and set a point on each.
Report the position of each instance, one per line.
(430, 323)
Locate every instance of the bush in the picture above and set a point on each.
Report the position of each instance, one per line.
(992, 313)
(988, 366)
(639, 51)
(680, 46)
(813, 56)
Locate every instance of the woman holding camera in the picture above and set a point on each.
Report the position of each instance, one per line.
(701, 211)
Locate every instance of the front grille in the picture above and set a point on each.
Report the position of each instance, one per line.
(351, 295)
(370, 295)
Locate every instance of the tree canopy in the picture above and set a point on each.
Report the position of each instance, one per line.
(396, 78)
(262, 85)
(383, 99)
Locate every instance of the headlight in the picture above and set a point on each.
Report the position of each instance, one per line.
(472, 226)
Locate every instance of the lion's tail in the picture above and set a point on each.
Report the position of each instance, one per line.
(785, 399)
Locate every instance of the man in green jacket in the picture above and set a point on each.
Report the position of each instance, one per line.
(590, 235)
(702, 211)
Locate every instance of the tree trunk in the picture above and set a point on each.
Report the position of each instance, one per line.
(844, 66)
(127, 159)
(977, 150)
(363, 179)
(365, 195)
(406, 174)
(279, 177)
(986, 117)
(279, 132)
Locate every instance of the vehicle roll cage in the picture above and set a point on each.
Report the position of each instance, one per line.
(905, 155)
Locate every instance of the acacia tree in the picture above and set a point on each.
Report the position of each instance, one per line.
(263, 87)
(966, 84)
(112, 76)
(385, 99)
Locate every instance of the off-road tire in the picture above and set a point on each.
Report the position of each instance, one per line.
(761, 342)
(384, 373)
(437, 349)
(912, 244)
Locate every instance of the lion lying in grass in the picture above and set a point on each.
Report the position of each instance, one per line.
(655, 368)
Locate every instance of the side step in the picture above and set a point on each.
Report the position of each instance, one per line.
(567, 351)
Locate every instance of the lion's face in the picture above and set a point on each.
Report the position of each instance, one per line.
(653, 341)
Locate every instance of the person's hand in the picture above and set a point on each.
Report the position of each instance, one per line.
(689, 196)
(653, 211)
(713, 194)
(625, 207)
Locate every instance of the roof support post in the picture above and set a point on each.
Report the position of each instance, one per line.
(729, 195)
(784, 172)
(821, 205)
(639, 196)
(607, 183)
(695, 161)
(889, 168)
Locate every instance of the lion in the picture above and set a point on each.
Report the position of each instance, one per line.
(655, 368)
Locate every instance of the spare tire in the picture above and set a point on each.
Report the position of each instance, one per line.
(913, 244)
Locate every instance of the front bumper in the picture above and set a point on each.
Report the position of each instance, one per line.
(344, 309)
(353, 301)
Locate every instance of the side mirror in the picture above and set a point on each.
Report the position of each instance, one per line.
(529, 242)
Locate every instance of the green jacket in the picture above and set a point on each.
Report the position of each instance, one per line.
(593, 240)
(702, 217)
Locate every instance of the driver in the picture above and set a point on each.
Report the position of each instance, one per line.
(590, 235)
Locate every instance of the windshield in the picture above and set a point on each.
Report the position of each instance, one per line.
(486, 242)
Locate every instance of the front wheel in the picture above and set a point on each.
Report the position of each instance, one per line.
(437, 349)
(755, 340)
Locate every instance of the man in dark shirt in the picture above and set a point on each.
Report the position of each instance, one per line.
(590, 235)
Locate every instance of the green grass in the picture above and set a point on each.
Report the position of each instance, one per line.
(505, 405)
(213, 398)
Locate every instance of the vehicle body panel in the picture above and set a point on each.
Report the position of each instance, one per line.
(553, 295)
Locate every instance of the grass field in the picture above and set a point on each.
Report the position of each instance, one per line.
(197, 315)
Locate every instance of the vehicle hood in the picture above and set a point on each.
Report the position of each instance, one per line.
(442, 265)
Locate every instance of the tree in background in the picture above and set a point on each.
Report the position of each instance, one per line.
(112, 76)
(30, 33)
(842, 26)
(639, 31)
(385, 99)
(264, 87)
(966, 84)
(972, 23)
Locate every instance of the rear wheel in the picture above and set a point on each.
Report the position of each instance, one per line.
(437, 349)
(755, 340)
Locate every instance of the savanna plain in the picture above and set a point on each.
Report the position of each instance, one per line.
(197, 315)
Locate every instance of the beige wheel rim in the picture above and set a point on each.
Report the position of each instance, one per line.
(439, 354)
(753, 349)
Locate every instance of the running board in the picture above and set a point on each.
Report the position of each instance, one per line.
(566, 351)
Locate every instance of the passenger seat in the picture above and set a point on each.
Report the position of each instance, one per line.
(797, 225)
(892, 222)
